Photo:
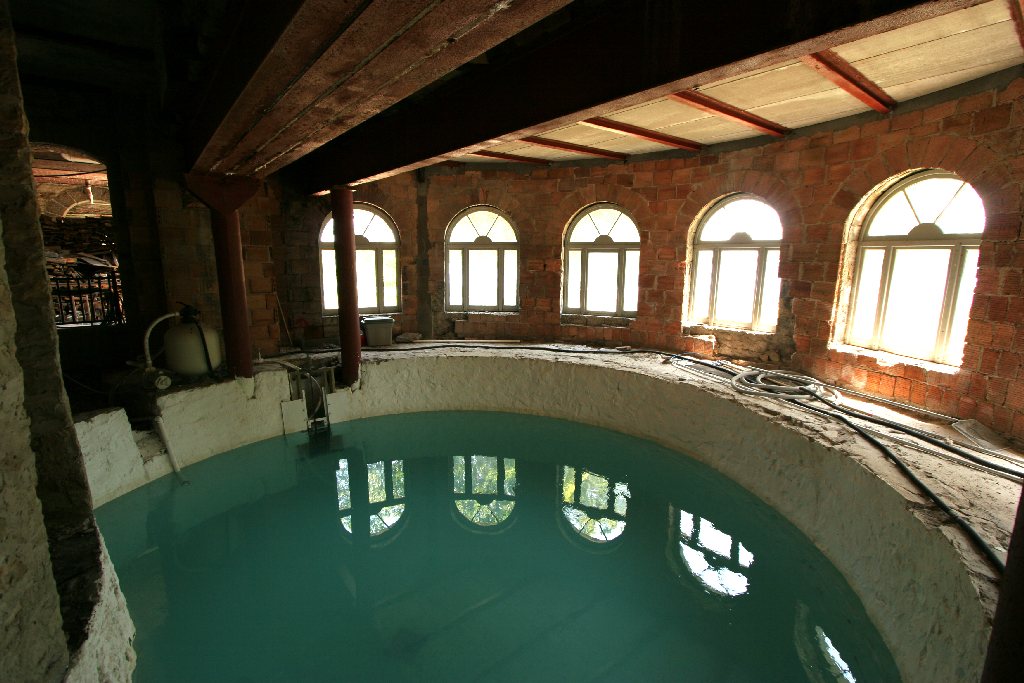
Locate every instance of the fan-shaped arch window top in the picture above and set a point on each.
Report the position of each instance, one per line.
(384, 506)
(735, 272)
(602, 262)
(482, 272)
(485, 488)
(916, 268)
(377, 272)
(593, 505)
(713, 557)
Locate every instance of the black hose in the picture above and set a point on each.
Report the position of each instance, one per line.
(924, 436)
(964, 525)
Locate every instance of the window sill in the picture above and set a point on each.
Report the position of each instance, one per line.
(334, 314)
(465, 315)
(595, 320)
(699, 329)
(887, 359)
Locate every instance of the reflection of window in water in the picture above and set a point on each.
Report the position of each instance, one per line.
(386, 484)
(712, 556)
(594, 506)
(486, 487)
(818, 654)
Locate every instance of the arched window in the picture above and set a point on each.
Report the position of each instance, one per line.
(385, 495)
(482, 261)
(602, 262)
(735, 265)
(916, 267)
(485, 488)
(712, 556)
(595, 506)
(377, 274)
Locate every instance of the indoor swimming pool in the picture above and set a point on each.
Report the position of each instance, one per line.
(456, 546)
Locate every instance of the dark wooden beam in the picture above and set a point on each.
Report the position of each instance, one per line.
(642, 133)
(331, 65)
(510, 157)
(846, 76)
(489, 105)
(724, 110)
(570, 147)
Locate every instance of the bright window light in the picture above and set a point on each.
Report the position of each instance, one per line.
(482, 263)
(713, 557)
(385, 482)
(377, 272)
(917, 267)
(735, 272)
(602, 263)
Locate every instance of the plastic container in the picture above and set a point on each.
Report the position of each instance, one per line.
(378, 330)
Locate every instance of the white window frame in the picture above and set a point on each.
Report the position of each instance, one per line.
(740, 241)
(958, 244)
(620, 248)
(481, 244)
(378, 249)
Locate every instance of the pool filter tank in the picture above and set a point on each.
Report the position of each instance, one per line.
(192, 348)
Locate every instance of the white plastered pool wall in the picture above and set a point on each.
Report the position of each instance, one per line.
(929, 593)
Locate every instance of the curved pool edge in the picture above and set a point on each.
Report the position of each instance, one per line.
(932, 600)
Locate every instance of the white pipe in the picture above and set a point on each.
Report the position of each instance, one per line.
(145, 338)
(158, 422)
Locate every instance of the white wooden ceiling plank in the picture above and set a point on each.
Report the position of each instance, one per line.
(658, 114)
(926, 31)
(778, 85)
(811, 109)
(764, 71)
(925, 86)
(711, 130)
(578, 134)
(994, 43)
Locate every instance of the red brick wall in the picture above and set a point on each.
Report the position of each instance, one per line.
(814, 181)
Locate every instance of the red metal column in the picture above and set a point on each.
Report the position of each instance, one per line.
(223, 195)
(345, 261)
(1003, 661)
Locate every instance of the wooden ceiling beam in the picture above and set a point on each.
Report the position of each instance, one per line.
(724, 110)
(510, 157)
(846, 76)
(602, 123)
(489, 105)
(570, 147)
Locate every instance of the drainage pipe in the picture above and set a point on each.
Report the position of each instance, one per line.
(161, 431)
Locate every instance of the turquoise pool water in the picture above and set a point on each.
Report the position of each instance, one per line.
(476, 546)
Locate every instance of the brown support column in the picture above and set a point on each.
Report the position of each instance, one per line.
(1003, 661)
(348, 303)
(223, 195)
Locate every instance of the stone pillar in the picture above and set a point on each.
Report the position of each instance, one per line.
(46, 523)
(348, 301)
(223, 195)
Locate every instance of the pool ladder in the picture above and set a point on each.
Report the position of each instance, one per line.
(318, 416)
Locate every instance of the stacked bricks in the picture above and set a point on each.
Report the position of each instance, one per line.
(259, 218)
(814, 181)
